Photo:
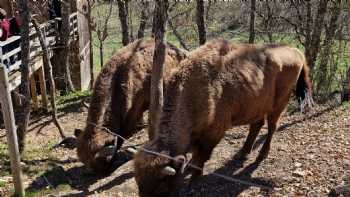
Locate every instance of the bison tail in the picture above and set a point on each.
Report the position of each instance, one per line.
(304, 89)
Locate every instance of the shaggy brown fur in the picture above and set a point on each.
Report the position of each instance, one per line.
(120, 96)
(219, 85)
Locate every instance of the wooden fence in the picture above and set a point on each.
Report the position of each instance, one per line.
(10, 79)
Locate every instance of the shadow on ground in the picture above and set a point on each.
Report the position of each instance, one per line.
(213, 185)
(77, 178)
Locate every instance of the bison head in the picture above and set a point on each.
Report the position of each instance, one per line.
(96, 149)
(156, 175)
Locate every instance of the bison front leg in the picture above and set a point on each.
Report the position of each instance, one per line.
(248, 144)
(202, 153)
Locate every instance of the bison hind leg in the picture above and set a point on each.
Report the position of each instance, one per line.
(249, 142)
(272, 120)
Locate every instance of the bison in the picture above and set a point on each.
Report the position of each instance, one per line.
(219, 85)
(120, 96)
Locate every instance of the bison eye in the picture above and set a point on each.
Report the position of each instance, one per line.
(77, 132)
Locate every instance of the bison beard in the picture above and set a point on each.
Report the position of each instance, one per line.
(120, 97)
(219, 85)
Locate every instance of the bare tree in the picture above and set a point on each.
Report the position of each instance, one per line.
(90, 27)
(143, 18)
(123, 17)
(200, 22)
(252, 22)
(102, 31)
(48, 68)
(312, 50)
(174, 28)
(65, 35)
(331, 28)
(24, 114)
(177, 35)
(130, 21)
(268, 20)
(308, 28)
(160, 18)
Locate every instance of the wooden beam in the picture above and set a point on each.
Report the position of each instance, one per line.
(9, 119)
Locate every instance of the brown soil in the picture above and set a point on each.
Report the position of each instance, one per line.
(310, 155)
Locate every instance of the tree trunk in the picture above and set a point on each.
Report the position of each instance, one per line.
(252, 22)
(313, 49)
(160, 18)
(143, 19)
(24, 114)
(123, 17)
(130, 22)
(346, 87)
(200, 22)
(48, 69)
(91, 55)
(65, 31)
(101, 54)
(269, 22)
(327, 47)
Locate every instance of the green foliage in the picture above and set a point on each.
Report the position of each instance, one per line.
(219, 25)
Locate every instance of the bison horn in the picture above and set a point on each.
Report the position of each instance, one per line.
(169, 171)
(132, 151)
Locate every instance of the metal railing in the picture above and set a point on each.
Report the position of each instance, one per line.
(10, 49)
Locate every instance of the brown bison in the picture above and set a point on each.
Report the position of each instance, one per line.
(120, 96)
(219, 85)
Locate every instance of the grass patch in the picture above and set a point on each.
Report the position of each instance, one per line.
(72, 98)
(5, 169)
(58, 181)
(346, 104)
(48, 190)
(2, 183)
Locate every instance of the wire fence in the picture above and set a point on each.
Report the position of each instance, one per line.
(133, 148)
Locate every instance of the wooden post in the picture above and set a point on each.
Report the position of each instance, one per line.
(33, 92)
(7, 111)
(86, 63)
(44, 100)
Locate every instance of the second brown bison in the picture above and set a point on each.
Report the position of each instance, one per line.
(120, 96)
(219, 85)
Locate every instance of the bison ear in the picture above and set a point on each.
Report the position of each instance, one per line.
(77, 132)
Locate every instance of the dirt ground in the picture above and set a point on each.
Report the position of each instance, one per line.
(310, 155)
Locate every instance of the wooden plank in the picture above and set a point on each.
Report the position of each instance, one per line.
(41, 75)
(34, 92)
(11, 134)
(15, 66)
(9, 40)
(11, 53)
